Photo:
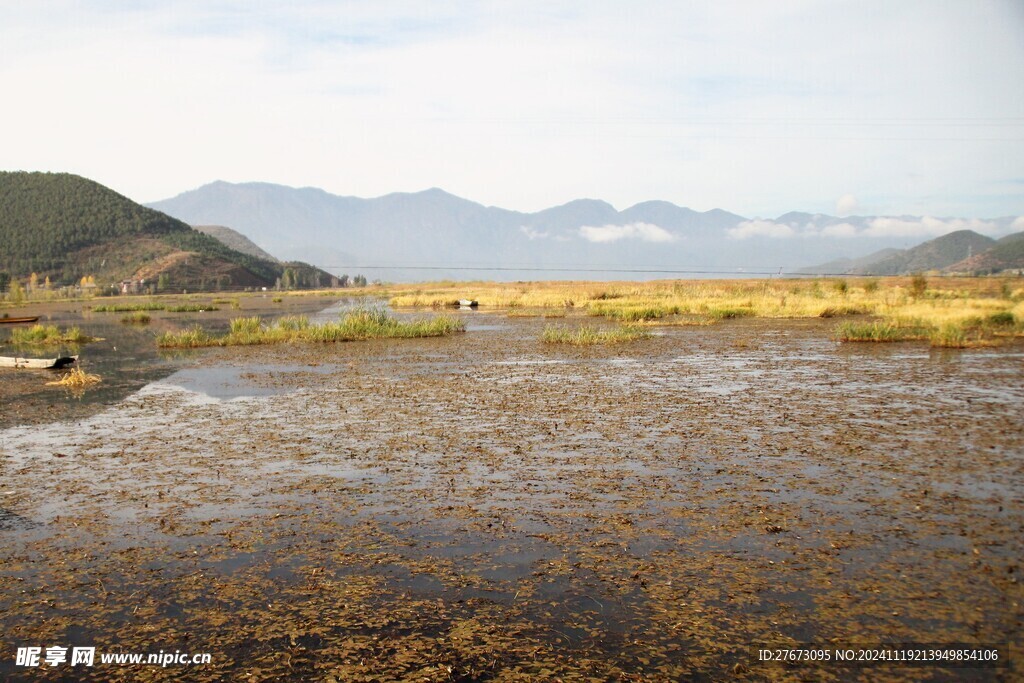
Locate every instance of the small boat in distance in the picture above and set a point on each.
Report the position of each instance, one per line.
(37, 363)
(4, 320)
(468, 303)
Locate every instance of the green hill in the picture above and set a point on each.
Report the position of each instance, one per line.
(935, 254)
(1006, 254)
(66, 227)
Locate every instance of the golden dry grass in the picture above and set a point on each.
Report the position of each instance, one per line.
(588, 335)
(76, 378)
(945, 310)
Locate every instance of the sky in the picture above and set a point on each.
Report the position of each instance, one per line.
(856, 107)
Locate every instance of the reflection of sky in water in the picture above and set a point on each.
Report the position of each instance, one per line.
(128, 360)
(335, 311)
(225, 383)
(216, 383)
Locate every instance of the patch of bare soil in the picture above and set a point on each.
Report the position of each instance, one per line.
(487, 507)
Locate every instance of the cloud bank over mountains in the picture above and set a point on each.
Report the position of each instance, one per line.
(882, 227)
(434, 229)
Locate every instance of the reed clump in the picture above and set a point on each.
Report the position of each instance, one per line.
(729, 312)
(191, 308)
(136, 318)
(879, 331)
(39, 335)
(587, 335)
(128, 308)
(952, 336)
(950, 332)
(355, 325)
(632, 314)
(193, 337)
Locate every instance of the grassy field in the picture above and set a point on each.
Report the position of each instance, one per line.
(954, 312)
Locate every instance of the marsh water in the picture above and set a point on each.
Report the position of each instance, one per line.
(490, 507)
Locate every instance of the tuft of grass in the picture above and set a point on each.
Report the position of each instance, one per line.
(376, 323)
(48, 334)
(974, 331)
(841, 309)
(729, 312)
(950, 335)
(1001, 319)
(251, 325)
(355, 325)
(293, 322)
(76, 378)
(136, 318)
(193, 337)
(632, 314)
(587, 335)
(878, 331)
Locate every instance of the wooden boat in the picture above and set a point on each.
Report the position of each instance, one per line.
(38, 363)
(12, 321)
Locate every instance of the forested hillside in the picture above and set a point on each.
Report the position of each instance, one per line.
(65, 227)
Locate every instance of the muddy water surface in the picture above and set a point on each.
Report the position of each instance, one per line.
(488, 507)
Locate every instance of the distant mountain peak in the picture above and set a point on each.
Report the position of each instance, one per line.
(432, 227)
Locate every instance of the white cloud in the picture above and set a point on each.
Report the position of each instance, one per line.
(839, 230)
(846, 205)
(534, 234)
(645, 232)
(881, 227)
(760, 228)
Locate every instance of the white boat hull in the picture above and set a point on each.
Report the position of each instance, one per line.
(37, 363)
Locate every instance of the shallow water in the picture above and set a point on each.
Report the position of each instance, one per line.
(503, 507)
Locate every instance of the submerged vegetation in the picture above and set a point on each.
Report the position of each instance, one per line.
(48, 334)
(364, 323)
(587, 335)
